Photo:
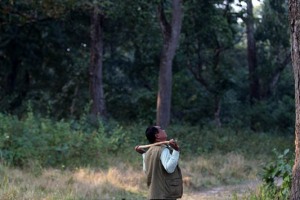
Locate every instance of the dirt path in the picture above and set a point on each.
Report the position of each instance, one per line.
(223, 192)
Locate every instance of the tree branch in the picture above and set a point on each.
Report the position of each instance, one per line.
(164, 24)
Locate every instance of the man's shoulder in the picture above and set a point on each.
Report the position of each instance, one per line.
(156, 149)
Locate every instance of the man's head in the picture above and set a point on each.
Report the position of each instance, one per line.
(155, 134)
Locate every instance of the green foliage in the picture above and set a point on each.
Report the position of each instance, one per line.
(197, 140)
(44, 55)
(277, 176)
(274, 115)
(36, 141)
(57, 143)
(37, 49)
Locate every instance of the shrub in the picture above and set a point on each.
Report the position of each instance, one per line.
(277, 176)
(57, 143)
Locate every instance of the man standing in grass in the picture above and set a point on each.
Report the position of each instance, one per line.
(160, 163)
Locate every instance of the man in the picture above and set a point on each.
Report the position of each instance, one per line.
(160, 163)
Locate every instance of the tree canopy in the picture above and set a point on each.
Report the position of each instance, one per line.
(45, 60)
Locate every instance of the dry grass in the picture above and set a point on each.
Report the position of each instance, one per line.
(214, 170)
(114, 183)
(120, 182)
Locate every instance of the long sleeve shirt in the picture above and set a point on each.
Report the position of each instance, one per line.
(168, 160)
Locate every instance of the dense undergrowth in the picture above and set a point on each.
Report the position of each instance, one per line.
(212, 156)
(77, 142)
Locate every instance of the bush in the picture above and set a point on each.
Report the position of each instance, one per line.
(57, 143)
(36, 140)
(277, 177)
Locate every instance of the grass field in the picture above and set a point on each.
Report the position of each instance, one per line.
(120, 181)
(210, 158)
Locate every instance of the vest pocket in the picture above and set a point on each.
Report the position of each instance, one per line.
(174, 187)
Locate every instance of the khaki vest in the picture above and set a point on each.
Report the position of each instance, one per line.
(162, 185)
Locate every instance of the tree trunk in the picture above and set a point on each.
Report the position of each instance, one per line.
(251, 55)
(171, 33)
(294, 18)
(96, 83)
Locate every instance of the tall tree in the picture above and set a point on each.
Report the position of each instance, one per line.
(251, 54)
(294, 18)
(209, 31)
(273, 50)
(171, 32)
(96, 65)
(34, 51)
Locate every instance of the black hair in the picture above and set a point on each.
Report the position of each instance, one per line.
(150, 133)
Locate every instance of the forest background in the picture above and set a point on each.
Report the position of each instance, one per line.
(226, 96)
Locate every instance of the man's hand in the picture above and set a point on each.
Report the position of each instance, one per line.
(141, 151)
(174, 145)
